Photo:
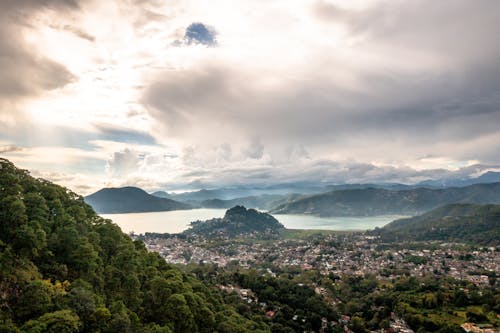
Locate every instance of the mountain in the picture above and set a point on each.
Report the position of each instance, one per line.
(262, 202)
(162, 194)
(238, 221)
(470, 223)
(197, 197)
(374, 201)
(486, 178)
(65, 269)
(130, 200)
(386, 186)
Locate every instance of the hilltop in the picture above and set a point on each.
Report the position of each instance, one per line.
(130, 200)
(238, 221)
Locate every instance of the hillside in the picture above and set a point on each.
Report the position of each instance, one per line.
(375, 201)
(238, 221)
(469, 223)
(130, 200)
(65, 269)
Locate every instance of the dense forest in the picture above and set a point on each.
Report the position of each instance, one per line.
(65, 269)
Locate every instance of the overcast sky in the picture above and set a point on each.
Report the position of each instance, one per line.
(180, 95)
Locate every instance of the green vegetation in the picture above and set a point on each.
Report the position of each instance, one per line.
(307, 300)
(238, 221)
(427, 304)
(130, 200)
(377, 201)
(289, 303)
(467, 223)
(65, 269)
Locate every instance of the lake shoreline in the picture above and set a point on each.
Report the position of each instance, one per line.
(179, 220)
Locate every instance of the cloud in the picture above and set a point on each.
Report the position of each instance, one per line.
(76, 31)
(123, 134)
(255, 149)
(24, 72)
(9, 149)
(224, 152)
(391, 89)
(325, 91)
(123, 162)
(199, 33)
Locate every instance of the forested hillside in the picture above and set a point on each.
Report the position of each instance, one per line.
(65, 269)
(467, 223)
(237, 222)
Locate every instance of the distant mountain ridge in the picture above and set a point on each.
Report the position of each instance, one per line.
(373, 201)
(130, 200)
(261, 202)
(470, 223)
(197, 197)
(486, 178)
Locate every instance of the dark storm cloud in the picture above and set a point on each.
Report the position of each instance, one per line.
(25, 73)
(199, 33)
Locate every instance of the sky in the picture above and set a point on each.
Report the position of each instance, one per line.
(183, 95)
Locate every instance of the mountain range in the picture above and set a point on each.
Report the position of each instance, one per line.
(307, 198)
(197, 197)
(261, 202)
(376, 201)
(487, 177)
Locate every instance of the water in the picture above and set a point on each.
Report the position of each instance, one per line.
(162, 222)
(178, 221)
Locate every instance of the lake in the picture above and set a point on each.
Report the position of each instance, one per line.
(178, 221)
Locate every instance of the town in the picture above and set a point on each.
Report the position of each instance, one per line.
(335, 253)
